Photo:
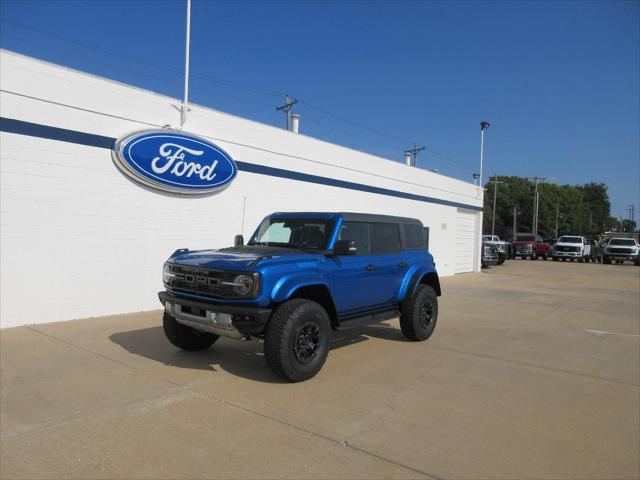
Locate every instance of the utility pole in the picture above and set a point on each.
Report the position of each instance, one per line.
(185, 99)
(557, 211)
(413, 152)
(632, 211)
(515, 214)
(590, 221)
(580, 216)
(286, 108)
(495, 190)
(534, 223)
(483, 126)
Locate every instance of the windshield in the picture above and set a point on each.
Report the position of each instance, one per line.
(524, 238)
(627, 242)
(293, 233)
(570, 240)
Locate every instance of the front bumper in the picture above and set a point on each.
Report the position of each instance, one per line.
(621, 256)
(490, 260)
(227, 320)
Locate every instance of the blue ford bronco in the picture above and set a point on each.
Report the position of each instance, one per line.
(300, 276)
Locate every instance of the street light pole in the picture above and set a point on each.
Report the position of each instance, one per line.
(483, 126)
(534, 221)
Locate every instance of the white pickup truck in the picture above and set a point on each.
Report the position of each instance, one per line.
(620, 249)
(504, 248)
(571, 247)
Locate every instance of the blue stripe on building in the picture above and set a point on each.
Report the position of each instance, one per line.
(20, 127)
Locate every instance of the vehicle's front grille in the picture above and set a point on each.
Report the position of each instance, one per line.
(620, 250)
(562, 248)
(202, 280)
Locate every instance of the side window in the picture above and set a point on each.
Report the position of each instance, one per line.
(358, 232)
(385, 238)
(414, 237)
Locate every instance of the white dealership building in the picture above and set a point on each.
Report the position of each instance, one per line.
(81, 239)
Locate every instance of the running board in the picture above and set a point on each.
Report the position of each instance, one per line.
(368, 319)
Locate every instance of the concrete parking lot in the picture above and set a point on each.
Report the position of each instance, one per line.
(533, 372)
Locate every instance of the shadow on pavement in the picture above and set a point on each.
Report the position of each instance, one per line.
(241, 358)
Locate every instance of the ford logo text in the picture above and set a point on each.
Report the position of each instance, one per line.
(174, 162)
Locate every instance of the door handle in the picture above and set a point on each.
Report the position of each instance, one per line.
(403, 264)
(371, 267)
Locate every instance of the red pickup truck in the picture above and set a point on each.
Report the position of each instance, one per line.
(530, 245)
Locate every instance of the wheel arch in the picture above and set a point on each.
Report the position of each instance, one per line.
(320, 294)
(429, 278)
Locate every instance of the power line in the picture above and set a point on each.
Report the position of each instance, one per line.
(222, 81)
(214, 79)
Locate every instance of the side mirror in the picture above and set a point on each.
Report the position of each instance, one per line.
(345, 247)
(238, 241)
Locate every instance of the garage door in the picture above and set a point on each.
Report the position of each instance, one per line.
(465, 240)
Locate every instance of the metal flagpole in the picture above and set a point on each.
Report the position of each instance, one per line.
(185, 100)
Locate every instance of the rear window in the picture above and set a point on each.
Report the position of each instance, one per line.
(414, 237)
(385, 238)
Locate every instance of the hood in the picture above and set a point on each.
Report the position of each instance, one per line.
(567, 244)
(240, 259)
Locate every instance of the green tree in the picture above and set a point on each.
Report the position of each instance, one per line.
(581, 209)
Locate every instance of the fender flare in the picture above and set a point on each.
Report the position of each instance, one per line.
(413, 279)
(288, 284)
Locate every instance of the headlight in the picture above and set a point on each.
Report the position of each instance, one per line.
(244, 285)
(167, 276)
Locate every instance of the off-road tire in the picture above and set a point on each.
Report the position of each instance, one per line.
(555, 259)
(410, 314)
(637, 262)
(501, 259)
(284, 330)
(186, 338)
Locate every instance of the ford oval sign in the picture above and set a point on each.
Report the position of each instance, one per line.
(175, 162)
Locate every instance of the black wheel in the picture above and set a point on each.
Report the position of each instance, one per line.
(606, 260)
(555, 259)
(297, 340)
(586, 259)
(419, 314)
(545, 255)
(501, 258)
(186, 338)
(637, 262)
(581, 260)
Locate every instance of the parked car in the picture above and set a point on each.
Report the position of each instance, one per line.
(527, 245)
(300, 276)
(572, 247)
(620, 250)
(594, 254)
(504, 248)
(490, 255)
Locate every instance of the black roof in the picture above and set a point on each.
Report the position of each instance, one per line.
(375, 218)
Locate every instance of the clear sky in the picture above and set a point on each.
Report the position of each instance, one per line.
(559, 82)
